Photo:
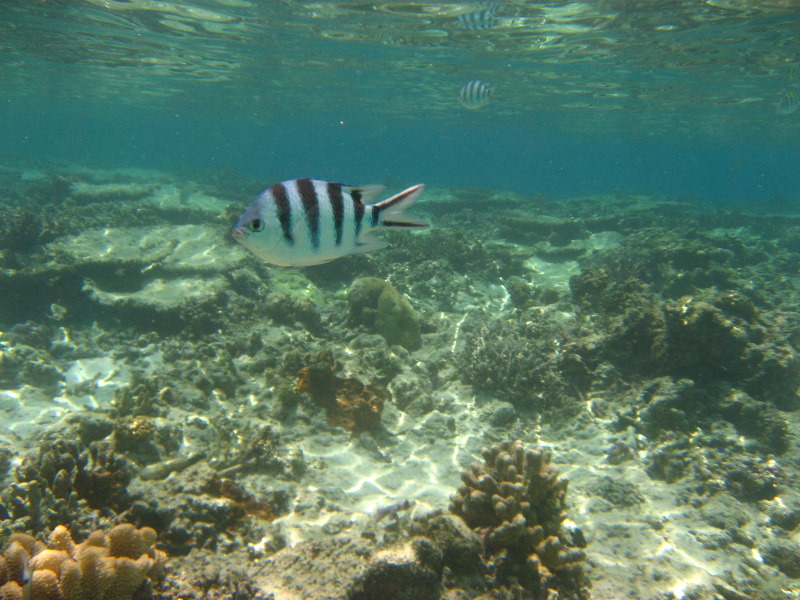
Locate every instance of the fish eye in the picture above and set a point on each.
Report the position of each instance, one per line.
(256, 225)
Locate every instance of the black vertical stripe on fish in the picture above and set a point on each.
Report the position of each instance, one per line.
(308, 195)
(284, 211)
(358, 210)
(475, 94)
(337, 205)
(477, 20)
(376, 215)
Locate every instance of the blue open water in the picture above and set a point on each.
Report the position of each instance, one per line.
(495, 153)
(676, 99)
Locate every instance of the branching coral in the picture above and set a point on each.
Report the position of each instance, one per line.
(49, 488)
(515, 503)
(110, 566)
(525, 360)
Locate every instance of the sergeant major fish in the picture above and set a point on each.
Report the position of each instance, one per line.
(479, 19)
(475, 94)
(789, 103)
(304, 222)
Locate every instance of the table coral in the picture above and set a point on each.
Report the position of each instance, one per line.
(515, 503)
(107, 566)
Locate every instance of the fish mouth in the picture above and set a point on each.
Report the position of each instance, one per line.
(239, 233)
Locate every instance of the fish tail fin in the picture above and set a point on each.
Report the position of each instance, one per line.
(391, 212)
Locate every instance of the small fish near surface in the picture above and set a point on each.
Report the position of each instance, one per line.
(304, 222)
(789, 103)
(477, 20)
(476, 94)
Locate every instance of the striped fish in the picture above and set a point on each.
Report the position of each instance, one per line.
(475, 94)
(304, 222)
(479, 19)
(789, 103)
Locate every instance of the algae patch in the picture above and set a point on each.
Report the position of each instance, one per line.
(376, 303)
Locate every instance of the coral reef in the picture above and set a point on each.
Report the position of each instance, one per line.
(515, 503)
(653, 342)
(454, 249)
(283, 308)
(107, 566)
(525, 360)
(665, 406)
(378, 305)
(49, 489)
(26, 358)
(261, 508)
(349, 403)
(411, 571)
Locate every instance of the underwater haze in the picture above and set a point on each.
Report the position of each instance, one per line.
(671, 97)
(411, 300)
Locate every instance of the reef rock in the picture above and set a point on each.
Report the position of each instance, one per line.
(378, 305)
(340, 568)
(407, 572)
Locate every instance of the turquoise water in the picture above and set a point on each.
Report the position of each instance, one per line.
(606, 294)
(655, 97)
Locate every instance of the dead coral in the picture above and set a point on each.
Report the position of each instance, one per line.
(112, 566)
(350, 404)
(259, 507)
(145, 396)
(515, 503)
(254, 448)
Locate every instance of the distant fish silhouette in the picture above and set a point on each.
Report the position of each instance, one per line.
(476, 94)
(479, 19)
(789, 103)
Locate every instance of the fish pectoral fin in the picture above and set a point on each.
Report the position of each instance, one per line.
(367, 242)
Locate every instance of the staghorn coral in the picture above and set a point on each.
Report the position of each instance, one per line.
(107, 566)
(515, 503)
(531, 360)
(350, 404)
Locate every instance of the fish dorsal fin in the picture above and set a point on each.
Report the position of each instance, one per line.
(366, 194)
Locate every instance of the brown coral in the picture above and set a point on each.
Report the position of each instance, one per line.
(11, 591)
(110, 566)
(350, 404)
(247, 503)
(515, 503)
